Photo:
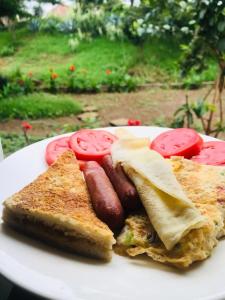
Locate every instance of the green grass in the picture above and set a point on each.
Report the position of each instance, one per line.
(40, 52)
(156, 60)
(12, 142)
(38, 105)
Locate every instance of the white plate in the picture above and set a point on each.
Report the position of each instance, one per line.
(56, 275)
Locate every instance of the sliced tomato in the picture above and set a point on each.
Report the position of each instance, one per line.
(89, 144)
(55, 148)
(178, 142)
(212, 153)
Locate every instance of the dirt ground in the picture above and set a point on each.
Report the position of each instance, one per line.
(152, 106)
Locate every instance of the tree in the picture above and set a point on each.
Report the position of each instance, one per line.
(13, 8)
(208, 39)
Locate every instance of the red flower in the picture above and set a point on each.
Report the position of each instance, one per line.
(108, 72)
(72, 68)
(133, 122)
(26, 126)
(30, 74)
(54, 76)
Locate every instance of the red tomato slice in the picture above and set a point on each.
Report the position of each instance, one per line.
(89, 144)
(55, 149)
(212, 153)
(178, 142)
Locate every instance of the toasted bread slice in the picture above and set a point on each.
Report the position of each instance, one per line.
(56, 208)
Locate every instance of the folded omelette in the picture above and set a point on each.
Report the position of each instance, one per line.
(184, 211)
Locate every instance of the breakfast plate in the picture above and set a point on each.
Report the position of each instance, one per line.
(54, 274)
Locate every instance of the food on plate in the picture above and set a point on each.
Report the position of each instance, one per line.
(90, 144)
(205, 187)
(55, 148)
(184, 142)
(104, 198)
(123, 186)
(176, 205)
(124, 133)
(212, 153)
(56, 208)
(87, 144)
(171, 213)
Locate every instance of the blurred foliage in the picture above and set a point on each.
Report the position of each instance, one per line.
(12, 142)
(38, 105)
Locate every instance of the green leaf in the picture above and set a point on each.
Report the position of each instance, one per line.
(180, 109)
(221, 26)
(211, 107)
(221, 44)
(190, 118)
(202, 14)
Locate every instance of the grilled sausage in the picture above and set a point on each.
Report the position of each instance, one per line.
(125, 189)
(104, 198)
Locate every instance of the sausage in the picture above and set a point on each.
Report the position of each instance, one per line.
(125, 189)
(104, 198)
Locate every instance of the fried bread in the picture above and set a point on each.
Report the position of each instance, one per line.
(56, 208)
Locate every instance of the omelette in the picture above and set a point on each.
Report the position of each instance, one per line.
(204, 187)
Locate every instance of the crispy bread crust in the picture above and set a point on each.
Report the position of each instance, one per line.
(59, 199)
(56, 238)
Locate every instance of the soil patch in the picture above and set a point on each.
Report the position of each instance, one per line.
(154, 106)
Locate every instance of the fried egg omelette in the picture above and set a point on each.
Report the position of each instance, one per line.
(205, 187)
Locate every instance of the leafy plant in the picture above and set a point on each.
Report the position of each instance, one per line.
(208, 39)
(187, 115)
(67, 26)
(12, 142)
(82, 83)
(11, 89)
(53, 81)
(34, 25)
(3, 82)
(7, 51)
(120, 81)
(50, 25)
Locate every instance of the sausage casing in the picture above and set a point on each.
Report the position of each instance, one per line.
(103, 196)
(124, 188)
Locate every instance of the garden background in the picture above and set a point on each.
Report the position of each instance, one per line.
(99, 63)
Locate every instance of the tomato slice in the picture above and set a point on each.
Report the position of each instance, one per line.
(178, 142)
(89, 144)
(212, 153)
(55, 148)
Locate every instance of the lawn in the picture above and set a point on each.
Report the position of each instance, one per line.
(156, 60)
(38, 105)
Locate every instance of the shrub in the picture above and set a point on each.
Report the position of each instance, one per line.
(66, 26)
(38, 105)
(11, 89)
(34, 25)
(120, 81)
(7, 51)
(50, 25)
(83, 84)
(3, 82)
